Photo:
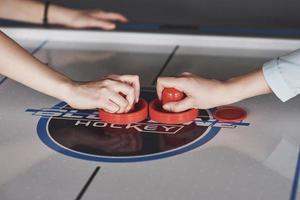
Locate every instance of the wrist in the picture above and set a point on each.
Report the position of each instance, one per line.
(232, 91)
(67, 87)
(240, 88)
(59, 15)
(246, 86)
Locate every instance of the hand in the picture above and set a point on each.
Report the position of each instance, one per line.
(32, 11)
(206, 93)
(200, 92)
(84, 19)
(105, 94)
(132, 80)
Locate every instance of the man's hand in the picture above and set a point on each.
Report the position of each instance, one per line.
(200, 92)
(206, 93)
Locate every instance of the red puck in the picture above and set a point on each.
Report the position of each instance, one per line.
(158, 114)
(171, 95)
(229, 114)
(139, 113)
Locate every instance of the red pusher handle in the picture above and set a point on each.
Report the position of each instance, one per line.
(171, 95)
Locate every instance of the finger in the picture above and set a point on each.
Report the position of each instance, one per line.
(126, 90)
(186, 74)
(96, 23)
(110, 106)
(167, 82)
(109, 16)
(135, 82)
(132, 80)
(179, 106)
(119, 100)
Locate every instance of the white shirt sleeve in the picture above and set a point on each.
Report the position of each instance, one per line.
(283, 75)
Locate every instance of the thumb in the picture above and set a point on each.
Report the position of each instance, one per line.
(179, 106)
(110, 107)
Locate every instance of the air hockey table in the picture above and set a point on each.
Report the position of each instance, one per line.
(50, 151)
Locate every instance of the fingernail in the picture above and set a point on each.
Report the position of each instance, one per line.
(110, 27)
(166, 107)
(117, 109)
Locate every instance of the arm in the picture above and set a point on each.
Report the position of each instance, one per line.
(205, 93)
(18, 64)
(19, 10)
(33, 11)
(280, 75)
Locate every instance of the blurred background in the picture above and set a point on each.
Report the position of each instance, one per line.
(280, 18)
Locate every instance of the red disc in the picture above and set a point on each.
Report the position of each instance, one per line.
(158, 114)
(229, 114)
(139, 113)
(171, 94)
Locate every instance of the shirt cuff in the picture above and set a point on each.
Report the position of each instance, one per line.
(276, 82)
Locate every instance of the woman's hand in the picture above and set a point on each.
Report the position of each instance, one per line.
(84, 18)
(33, 11)
(115, 94)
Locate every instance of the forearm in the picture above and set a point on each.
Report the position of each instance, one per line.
(32, 11)
(19, 65)
(246, 86)
(280, 75)
(22, 10)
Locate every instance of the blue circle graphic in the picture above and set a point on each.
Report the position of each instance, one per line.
(42, 129)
